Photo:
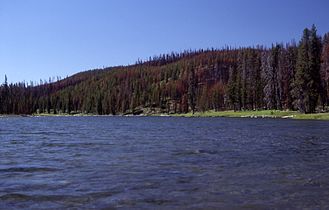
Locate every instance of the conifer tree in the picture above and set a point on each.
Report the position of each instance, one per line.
(300, 92)
(325, 70)
(314, 85)
(232, 88)
(307, 78)
(192, 89)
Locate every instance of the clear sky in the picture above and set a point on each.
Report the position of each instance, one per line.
(46, 38)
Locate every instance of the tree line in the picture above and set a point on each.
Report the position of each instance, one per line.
(292, 76)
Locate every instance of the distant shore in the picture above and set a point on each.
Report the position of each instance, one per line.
(259, 114)
(231, 114)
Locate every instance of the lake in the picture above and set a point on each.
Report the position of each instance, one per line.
(163, 163)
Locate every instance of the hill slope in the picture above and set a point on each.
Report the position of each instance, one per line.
(245, 78)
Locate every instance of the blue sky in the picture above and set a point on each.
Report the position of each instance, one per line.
(47, 38)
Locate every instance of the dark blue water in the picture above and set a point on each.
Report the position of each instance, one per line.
(163, 163)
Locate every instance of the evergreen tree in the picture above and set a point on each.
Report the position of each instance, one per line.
(300, 92)
(269, 72)
(243, 73)
(5, 97)
(307, 78)
(99, 105)
(233, 88)
(314, 85)
(258, 82)
(325, 71)
(192, 89)
(291, 57)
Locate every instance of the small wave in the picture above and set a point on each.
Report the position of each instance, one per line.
(56, 198)
(36, 198)
(196, 152)
(158, 202)
(28, 169)
(15, 197)
(102, 194)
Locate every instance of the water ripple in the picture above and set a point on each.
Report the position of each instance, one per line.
(157, 163)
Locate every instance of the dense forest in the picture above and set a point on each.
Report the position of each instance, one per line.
(293, 76)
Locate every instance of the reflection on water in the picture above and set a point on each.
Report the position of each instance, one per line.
(166, 163)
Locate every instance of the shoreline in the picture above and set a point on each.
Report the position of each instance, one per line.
(274, 114)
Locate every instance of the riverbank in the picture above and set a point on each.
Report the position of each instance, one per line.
(259, 114)
(236, 114)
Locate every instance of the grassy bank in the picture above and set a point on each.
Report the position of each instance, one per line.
(259, 114)
(239, 114)
(63, 115)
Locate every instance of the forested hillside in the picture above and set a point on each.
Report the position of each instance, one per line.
(292, 76)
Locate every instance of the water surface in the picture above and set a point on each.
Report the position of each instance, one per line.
(163, 163)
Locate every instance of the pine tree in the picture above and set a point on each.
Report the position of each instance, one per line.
(325, 70)
(69, 103)
(5, 97)
(269, 73)
(300, 92)
(232, 88)
(243, 73)
(259, 83)
(192, 89)
(289, 74)
(307, 78)
(99, 105)
(314, 85)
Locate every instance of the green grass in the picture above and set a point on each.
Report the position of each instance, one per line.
(259, 114)
(317, 116)
(60, 115)
(247, 114)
